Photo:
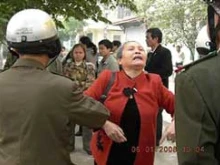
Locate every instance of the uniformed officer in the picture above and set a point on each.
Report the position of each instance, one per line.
(202, 42)
(36, 106)
(54, 65)
(197, 102)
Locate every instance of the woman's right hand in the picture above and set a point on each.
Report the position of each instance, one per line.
(114, 132)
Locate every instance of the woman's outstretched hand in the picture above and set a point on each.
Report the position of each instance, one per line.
(114, 132)
(169, 133)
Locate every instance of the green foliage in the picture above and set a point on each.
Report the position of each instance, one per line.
(78, 9)
(180, 20)
(71, 27)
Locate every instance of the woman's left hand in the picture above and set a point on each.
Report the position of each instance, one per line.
(114, 132)
(169, 133)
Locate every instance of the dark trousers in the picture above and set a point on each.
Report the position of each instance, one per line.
(159, 126)
(86, 137)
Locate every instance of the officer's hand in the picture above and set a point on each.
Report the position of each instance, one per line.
(169, 133)
(114, 132)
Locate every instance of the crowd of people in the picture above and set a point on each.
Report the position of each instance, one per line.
(116, 101)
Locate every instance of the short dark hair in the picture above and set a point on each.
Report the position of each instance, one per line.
(89, 44)
(156, 32)
(106, 43)
(85, 40)
(116, 43)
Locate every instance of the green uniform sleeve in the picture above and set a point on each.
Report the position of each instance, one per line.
(55, 67)
(196, 132)
(86, 111)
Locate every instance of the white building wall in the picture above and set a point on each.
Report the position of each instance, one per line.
(102, 31)
(136, 33)
(99, 35)
(111, 34)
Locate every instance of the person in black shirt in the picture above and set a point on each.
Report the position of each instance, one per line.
(159, 62)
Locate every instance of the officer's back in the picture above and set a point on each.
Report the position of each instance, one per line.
(36, 101)
(37, 106)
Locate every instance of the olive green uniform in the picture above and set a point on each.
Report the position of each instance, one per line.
(197, 114)
(36, 108)
(54, 65)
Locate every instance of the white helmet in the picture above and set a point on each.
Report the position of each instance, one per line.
(203, 42)
(32, 31)
(214, 27)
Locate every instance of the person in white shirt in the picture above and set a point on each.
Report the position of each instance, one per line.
(179, 56)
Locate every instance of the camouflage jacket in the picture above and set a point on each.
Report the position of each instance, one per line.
(83, 74)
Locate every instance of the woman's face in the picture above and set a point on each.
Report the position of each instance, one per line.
(133, 56)
(78, 54)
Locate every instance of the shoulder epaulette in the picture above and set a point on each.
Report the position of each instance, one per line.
(187, 66)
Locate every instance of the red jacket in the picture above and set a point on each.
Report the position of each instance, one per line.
(150, 95)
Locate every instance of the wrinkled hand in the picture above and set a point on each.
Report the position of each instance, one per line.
(169, 133)
(114, 132)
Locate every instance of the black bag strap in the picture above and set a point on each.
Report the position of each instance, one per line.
(108, 87)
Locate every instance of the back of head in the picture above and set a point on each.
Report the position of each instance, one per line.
(89, 44)
(32, 31)
(156, 32)
(85, 40)
(116, 43)
(106, 43)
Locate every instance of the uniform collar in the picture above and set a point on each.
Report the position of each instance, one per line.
(28, 63)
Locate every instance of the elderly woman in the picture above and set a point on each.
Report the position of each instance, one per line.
(133, 101)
